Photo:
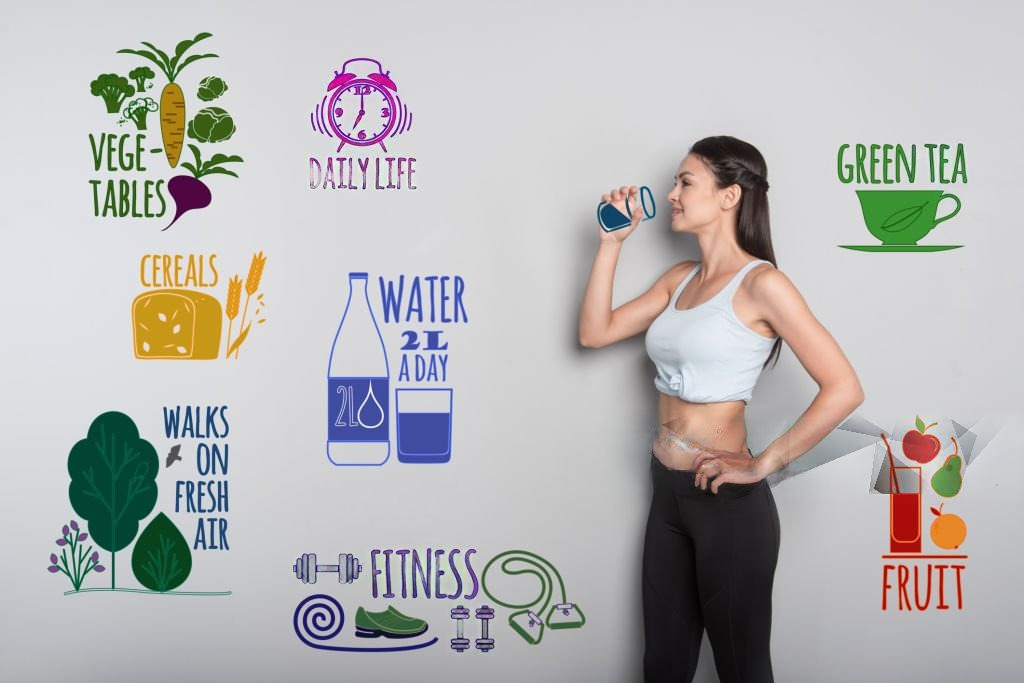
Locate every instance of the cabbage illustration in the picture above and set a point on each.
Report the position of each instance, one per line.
(212, 124)
(211, 87)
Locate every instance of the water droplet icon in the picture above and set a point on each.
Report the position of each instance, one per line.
(368, 411)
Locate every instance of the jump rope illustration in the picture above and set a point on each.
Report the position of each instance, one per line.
(526, 621)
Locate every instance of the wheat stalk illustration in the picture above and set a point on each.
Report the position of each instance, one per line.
(234, 298)
(252, 283)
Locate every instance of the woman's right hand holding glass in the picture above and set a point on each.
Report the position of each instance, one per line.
(617, 198)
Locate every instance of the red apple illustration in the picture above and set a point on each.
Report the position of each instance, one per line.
(918, 446)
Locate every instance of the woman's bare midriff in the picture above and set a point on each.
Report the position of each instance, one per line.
(686, 428)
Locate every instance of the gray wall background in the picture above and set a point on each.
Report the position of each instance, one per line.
(524, 114)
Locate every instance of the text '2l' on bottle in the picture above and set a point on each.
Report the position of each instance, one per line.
(358, 384)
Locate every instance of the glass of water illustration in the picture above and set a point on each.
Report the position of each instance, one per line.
(424, 425)
(611, 218)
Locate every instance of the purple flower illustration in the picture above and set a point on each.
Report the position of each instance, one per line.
(74, 561)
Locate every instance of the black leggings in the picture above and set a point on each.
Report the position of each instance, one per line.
(709, 562)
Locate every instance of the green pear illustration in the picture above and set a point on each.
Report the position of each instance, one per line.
(947, 480)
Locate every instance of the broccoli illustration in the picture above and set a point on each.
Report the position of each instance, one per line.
(113, 89)
(140, 75)
(212, 124)
(137, 110)
(211, 87)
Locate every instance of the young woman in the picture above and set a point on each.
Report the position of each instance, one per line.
(712, 538)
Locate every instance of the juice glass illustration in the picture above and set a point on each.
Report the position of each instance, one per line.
(904, 509)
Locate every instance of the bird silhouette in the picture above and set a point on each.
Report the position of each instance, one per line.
(173, 455)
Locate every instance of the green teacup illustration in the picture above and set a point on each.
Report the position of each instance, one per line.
(903, 216)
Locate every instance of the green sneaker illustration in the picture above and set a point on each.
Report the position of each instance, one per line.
(390, 623)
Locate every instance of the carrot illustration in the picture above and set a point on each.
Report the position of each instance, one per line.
(172, 100)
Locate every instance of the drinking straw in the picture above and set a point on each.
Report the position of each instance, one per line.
(892, 464)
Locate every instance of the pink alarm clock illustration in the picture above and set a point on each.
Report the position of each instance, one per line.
(362, 111)
(362, 106)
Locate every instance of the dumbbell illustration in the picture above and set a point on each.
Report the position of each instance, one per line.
(484, 643)
(460, 643)
(347, 569)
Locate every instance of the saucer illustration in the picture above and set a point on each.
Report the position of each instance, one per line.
(900, 247)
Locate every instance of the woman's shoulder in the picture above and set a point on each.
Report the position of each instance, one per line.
(761, 266)
(674, 276)
(767, 280)
(681, 270)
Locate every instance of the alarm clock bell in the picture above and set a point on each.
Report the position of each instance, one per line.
(381, 77)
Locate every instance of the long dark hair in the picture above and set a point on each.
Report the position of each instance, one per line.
(735, 162)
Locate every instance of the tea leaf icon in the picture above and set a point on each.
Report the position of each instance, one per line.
(902, 219)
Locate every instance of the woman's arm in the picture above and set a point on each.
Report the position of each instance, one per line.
(839, 389)
(599, 324)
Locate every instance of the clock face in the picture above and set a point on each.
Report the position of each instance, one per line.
(362, 112)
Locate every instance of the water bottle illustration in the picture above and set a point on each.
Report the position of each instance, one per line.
(358, 384)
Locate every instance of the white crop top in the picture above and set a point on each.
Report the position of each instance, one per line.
(706, 354)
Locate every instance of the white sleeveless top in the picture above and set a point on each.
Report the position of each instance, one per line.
(706, 354)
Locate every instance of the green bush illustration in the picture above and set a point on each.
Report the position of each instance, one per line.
(161, 558)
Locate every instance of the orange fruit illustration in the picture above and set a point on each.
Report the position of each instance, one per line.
(948, 530)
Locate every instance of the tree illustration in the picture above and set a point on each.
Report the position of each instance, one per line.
(113, 481)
